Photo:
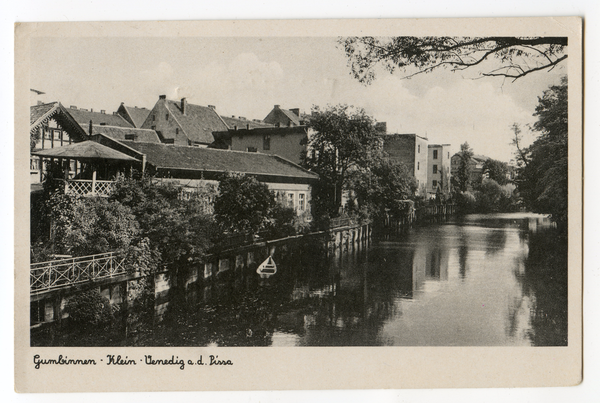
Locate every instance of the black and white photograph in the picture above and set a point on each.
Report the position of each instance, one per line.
(220, 193)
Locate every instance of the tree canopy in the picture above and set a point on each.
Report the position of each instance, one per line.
(515, 57)
(243, 203)
(496, 171)
(543, 175)
(463, 176)
(344, 138)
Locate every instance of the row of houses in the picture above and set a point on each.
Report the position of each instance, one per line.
(192, 144)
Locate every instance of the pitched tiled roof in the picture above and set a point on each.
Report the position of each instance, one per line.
(37, 112)
(282, 116)
(83, 118)
(199, 159)
(233, 122)
(198, 123)
(119, 133)
(138, 115)
(85, 150)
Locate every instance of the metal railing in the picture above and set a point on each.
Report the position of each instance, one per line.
(64, 272)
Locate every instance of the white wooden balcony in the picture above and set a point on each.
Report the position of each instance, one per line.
(88, 187)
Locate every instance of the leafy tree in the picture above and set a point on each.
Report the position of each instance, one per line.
(243, 203)
(344, 139)
(462, 180)
(515, 57)
(382, 187)
(180, 231)
(543, 178)
(496, 171)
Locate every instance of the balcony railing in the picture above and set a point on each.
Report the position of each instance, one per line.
(87, 187)
(65, 272)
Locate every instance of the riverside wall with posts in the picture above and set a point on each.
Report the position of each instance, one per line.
(234, 262)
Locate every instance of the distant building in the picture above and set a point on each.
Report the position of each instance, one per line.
(85, 116)
(193, 168)
(134, 115)
(477, 162)
(438, 169)
(182, 123)
(287, 142)
(284, 117)
(410, 150)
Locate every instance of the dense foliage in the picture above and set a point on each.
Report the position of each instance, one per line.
(496, 171)
(543, 172)
(462, 181)
(344, 139)
(382, 189)
(243, 204)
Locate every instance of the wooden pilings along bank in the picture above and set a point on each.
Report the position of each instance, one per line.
(425, 214)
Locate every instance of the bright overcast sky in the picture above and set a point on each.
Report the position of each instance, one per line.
(247, 76)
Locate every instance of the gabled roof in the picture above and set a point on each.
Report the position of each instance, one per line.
(83, 117)
(86, 150)
(122, 133)
(41, 114)
(282, 116)
(171, 157)
(234, 122)
(198, 122)
(476, 157)
(137, 116)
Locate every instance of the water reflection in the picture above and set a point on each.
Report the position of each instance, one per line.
(487, 280)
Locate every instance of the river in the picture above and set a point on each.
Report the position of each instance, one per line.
(481, 280)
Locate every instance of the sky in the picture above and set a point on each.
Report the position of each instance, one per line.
(247, 76)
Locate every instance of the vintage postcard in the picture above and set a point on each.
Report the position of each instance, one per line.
(318, 204)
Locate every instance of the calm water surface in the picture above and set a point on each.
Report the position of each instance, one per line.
(484, 280)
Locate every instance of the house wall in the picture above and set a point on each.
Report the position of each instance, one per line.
(442, 165)
(476, 167)
(410, 150)
(169, 128)
(296, 195)
(51, 136)
(289, 146)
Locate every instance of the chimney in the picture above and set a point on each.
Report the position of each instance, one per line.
(73, 107)
(295, 111)
(102, 111)
(162, 97)
(183, 105)
(91, 110)
(212, 107)
(242, 118)
(40, 102)
(276, 107)
(90, 129)
(247, 126)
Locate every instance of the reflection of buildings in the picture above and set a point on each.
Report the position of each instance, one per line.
(430, 262)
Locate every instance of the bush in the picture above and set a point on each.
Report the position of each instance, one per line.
(90, 308)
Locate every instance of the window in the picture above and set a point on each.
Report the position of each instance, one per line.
(291, 200)
(435, 169)
(435, 154)
(434, 183)
(251, 149)
(153, 118)
(153, 127)
(448, 154)
(130, 136)
(419, 148)
(34, 163)
(418, 165)
(167, 116)
(301, 201)
(267, 142)
(176, 130)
